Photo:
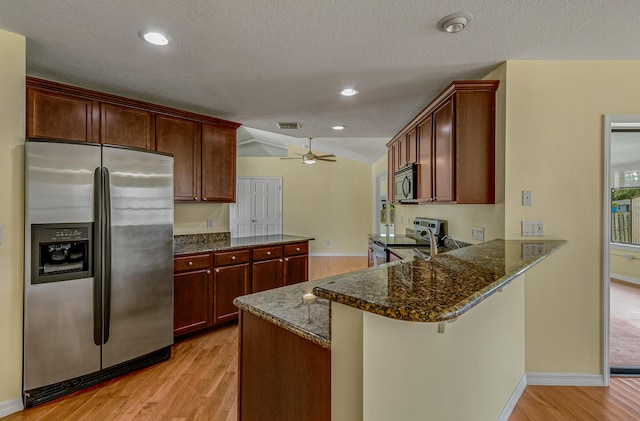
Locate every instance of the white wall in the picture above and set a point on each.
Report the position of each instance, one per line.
(12, 135)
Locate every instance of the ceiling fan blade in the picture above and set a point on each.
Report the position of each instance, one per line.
(325, 159)
(326, 156)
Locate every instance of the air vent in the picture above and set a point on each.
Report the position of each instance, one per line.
(288, 125)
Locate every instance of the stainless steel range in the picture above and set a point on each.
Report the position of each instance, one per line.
(414, 237)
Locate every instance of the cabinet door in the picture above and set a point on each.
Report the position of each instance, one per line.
(412, 146)
(267, 274)
(126, 126)
(425, 178)
(191, 301)
(229, 282)
(391, 165)
(444, 153)
(218, 164)
(59, 116)
(401, 152)
(181, 138)
(296, 269)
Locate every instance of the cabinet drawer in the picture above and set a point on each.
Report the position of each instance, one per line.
(295, 249)
(231, 257)
(195, 262)
(265, 253)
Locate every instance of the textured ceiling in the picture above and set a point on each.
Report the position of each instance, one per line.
(258, 62)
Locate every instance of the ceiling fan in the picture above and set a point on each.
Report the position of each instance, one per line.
(311, 158)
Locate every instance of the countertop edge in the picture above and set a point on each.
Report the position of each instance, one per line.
(449, 313)
(318, 340)
(216, 247)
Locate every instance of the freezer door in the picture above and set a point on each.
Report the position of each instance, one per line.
(138, 275)
(58, 316)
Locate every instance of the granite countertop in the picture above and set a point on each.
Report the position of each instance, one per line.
(435, 290)
(203, 243)
(286, 307)
(439, 289)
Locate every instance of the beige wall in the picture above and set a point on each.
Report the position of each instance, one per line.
(12, 133)
(554, 148)
(328, 201)
(191, 218)
(412, 372)
(461, 218)
(625, 265)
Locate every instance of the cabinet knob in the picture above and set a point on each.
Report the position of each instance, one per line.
(208, 272)
(195, 198)
(286, 258)
(217, 270)
(190, 263)
(297, 248)
(268, 253)
(280, 260)
(204, 199)
(233, 257)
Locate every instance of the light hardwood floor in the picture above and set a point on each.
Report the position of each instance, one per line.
(200, 383)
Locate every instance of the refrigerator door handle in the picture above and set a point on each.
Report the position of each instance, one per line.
(106, 232)
(97, 257)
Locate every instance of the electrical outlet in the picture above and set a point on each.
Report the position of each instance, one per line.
(533, 228)
(210, 223)
(477, 233)
(328, 242)
(526, 198)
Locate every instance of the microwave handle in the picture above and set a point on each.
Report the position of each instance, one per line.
(406, 186)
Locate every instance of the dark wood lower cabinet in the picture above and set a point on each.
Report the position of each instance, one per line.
(296, 269)
(267, 275)
(229, 282)
(282, 376)
(192, 301)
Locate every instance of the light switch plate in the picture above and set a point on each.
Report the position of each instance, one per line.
(526, 198)
(533, 228)
(210, 223)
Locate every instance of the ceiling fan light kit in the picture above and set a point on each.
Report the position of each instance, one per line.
(312, 158)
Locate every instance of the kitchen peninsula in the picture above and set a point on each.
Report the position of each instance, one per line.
(381, 343)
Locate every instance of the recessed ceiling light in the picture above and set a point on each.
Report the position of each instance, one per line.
(349, 92)
(154, 37)
(338, 127)
(454, 23)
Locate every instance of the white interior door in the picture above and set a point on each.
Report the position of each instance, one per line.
(258, 207)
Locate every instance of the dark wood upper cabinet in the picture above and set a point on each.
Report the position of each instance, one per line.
(455, 145)
(181, 137)
(126, 126)
(443, 153)
(412, 146)
(218, 163)
(60, 116)
(425, 151)
(203, 147)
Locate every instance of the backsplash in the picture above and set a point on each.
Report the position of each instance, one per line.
(209, 237)
(191, 218)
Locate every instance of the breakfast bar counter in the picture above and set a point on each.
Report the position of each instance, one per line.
(380, 343)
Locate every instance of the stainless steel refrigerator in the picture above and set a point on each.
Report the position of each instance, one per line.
(98, 284)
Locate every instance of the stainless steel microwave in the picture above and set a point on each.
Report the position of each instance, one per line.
(406, 183)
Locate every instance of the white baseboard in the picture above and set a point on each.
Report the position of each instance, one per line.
(513, 399)
(564, 379)
(625, 278)
(337, 254)
(9, 407)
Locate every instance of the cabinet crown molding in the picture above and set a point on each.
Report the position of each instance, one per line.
(453, 87)
(34, 82)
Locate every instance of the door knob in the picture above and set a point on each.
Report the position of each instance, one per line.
(254, 220)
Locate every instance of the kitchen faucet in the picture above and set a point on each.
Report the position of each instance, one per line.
(433, 246)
